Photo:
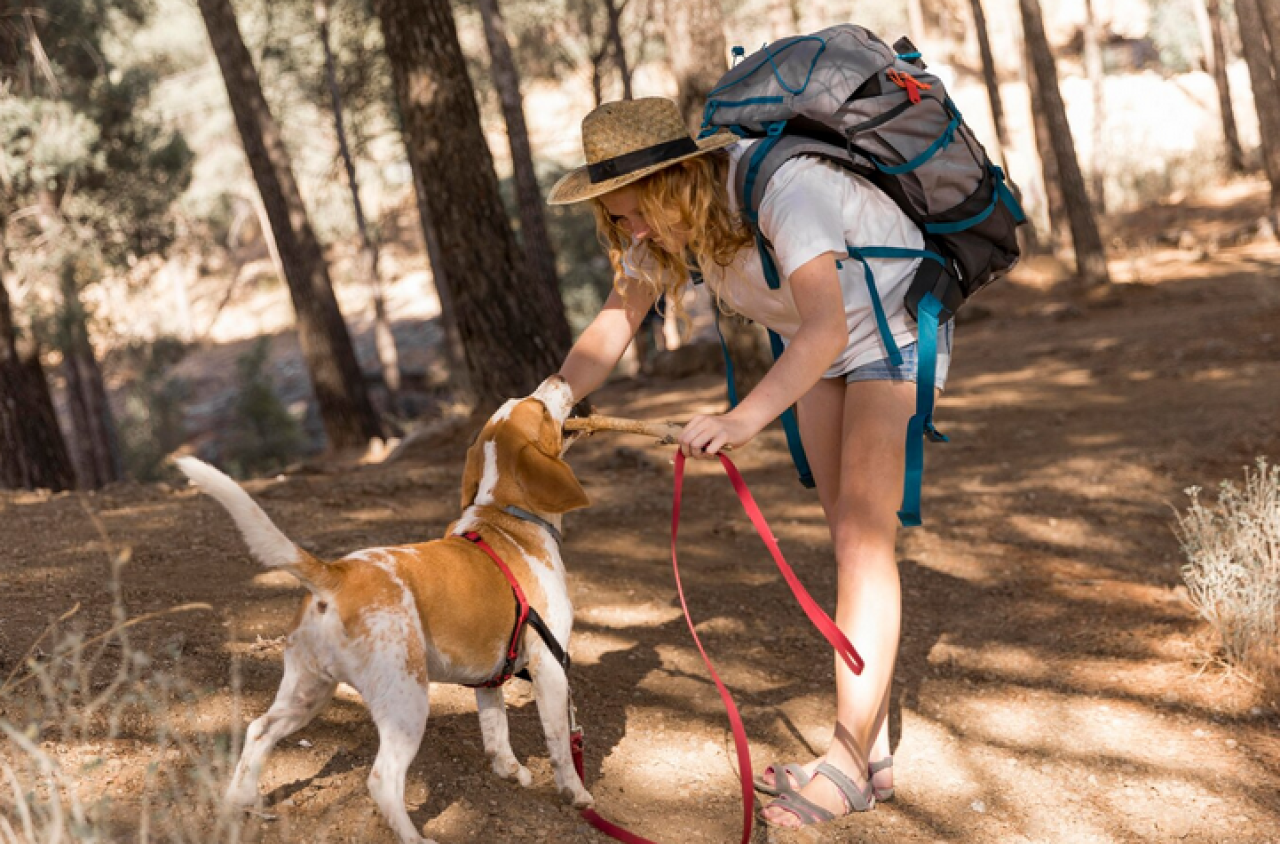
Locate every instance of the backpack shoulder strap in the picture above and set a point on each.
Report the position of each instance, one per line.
(761, 160)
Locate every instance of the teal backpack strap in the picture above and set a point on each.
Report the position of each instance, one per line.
(921, 424)
(882, 322)
(790, 426)
(728, 362)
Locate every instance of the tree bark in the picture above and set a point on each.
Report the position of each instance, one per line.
(597, 55)
(697, 52)
(1270, 11)
(513, 328)
(1266, 47)
(384, 340)
(96, 444)
(1266, 93)
(613, 10)
(696, 43)
(990, 77)
(534, 236)
(1091, 259)
(1059, 232)
(1097, 83)
(916, 26)
(348, 415)
(33, 453)
(1209, 13)
(454, 353)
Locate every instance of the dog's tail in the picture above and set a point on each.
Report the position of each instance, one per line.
(265, 540)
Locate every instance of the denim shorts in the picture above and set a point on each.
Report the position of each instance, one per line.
(883, 370)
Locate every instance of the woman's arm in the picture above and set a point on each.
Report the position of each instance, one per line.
(601, 345)
(822, 335)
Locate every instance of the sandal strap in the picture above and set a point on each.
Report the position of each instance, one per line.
(883, 765)
(857, 799)
(806, 810)
(795, 772)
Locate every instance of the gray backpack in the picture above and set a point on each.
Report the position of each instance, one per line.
(845, 96)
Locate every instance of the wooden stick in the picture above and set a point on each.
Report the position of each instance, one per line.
(665, 433)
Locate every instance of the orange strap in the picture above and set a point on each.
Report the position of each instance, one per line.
(908, 82)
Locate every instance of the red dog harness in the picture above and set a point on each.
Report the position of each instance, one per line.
(525, 614)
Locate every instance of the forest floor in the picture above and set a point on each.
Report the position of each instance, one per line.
(1053, 685)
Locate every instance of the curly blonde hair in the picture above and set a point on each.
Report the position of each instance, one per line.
(686, 202)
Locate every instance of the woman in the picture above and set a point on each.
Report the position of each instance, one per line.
(661, 198)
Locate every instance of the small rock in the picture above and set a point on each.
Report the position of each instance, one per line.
(303, 743)
(978, 806)
(1231, 742)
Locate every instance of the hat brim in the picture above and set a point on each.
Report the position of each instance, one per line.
(576, 185)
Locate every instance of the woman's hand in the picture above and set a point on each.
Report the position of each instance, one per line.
(706, 436)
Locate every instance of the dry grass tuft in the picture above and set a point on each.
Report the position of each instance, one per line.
(1233, 569)
(66, 707)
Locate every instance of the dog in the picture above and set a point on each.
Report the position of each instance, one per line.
(389, 621)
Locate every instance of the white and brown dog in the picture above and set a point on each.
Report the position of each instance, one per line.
(388, 621)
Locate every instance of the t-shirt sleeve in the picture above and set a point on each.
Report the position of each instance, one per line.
(636, 261)
(801, 213)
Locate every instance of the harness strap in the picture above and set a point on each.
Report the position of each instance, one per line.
(525, 614)
(921, 424)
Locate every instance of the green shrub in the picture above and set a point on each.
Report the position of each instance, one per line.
(263, 438)
(151, 422)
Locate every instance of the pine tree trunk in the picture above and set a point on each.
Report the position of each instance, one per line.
(513, 329)
(613, 10)
(990, 78)
(1266, 93)
(1097, 82)
(1209, 15)
(454, 353)
(348, 415)
(916, 26)
(1269, 12)
(695, 39)
(384, 339)
(534, 236)
(1091, 260)
(95, 442)
(697, 52)
(1059, 232)
(33, 453)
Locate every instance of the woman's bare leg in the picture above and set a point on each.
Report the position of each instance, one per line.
(862, 515)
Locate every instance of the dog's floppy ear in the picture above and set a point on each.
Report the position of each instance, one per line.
(471, 472)
(548, 483)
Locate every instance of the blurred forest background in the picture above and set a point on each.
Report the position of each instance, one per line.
(262, 230)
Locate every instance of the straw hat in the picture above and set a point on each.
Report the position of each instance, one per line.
(627, 140)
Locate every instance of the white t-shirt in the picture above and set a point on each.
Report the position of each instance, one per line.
(812, 207)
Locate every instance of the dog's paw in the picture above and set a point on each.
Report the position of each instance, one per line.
(241, 801)
(580, 798)
(510, 768)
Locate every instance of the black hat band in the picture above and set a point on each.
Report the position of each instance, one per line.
(612, 168)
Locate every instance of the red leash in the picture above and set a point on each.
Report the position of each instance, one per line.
(820, 619)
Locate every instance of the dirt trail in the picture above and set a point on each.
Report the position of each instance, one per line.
(1051, 684)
